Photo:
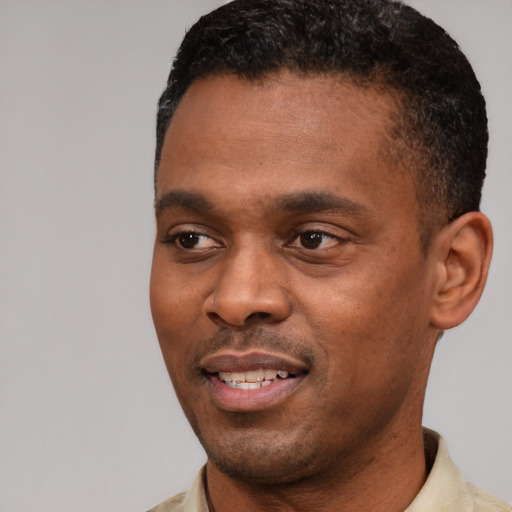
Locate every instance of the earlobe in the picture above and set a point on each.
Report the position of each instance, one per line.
(462, 255)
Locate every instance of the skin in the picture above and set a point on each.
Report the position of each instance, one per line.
(284, 229)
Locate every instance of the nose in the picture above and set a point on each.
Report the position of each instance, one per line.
(249, 289)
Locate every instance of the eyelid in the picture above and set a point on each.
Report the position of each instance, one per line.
(173, 233)
(335, 240)
(330, 230)
(174, 238)
(188, 227)
(341, 231)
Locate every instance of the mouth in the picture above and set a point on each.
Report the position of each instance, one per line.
(252, 381)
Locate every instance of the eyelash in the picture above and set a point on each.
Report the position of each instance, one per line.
(316, 235)
(174, 238)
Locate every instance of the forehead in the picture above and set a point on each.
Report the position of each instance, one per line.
(302, 105)
(285, 133)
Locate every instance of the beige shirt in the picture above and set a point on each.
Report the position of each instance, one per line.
(444, 491)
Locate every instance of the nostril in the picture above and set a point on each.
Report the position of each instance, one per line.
(257, 316)
(214, 317)
(241, 303)
(249, 320)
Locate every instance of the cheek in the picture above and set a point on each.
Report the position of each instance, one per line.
(173, 298)
(376, 323)
(177, 307)
(174, 308)
(170, 308)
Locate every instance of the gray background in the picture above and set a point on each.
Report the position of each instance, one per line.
(88, 419)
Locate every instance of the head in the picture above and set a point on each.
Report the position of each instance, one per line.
(440, 124)
(318, 174)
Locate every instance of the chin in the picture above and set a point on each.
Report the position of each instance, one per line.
(271, 459)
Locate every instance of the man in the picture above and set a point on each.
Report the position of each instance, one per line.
(318, 173)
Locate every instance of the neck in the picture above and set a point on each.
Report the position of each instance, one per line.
(386, 479)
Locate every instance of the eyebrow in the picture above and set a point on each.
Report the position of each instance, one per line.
(190, 201)
(294, 202)
(311, 202)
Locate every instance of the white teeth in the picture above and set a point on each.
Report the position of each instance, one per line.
(225, 376)
(247, 385)
(253, 379)
(270, 374)
(254, 376)
(238, 376)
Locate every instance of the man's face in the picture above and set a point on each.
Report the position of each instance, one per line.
(289, 291)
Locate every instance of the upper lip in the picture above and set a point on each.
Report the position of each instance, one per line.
(232, 361)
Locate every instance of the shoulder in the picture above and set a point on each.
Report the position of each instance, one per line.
(174, 504)
(194, 500)
(445, 489)
(485, 502)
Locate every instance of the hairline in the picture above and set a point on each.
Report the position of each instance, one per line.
(398, 149)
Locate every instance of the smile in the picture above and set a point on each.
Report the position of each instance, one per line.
(253, 379)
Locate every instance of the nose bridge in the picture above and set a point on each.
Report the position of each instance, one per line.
(249, 287)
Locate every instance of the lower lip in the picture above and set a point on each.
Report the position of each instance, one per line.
(248, 400)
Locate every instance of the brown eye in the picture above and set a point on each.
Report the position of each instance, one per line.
(191, 241)
(188, 240)
(316, 240)
(311, 239)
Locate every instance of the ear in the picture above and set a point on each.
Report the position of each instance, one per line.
(462, 252)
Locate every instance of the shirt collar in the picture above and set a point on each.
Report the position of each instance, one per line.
(445, 490)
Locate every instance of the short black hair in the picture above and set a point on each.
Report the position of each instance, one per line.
(441, 126)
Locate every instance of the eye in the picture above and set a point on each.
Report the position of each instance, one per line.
(316, 240)
(190, 240)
